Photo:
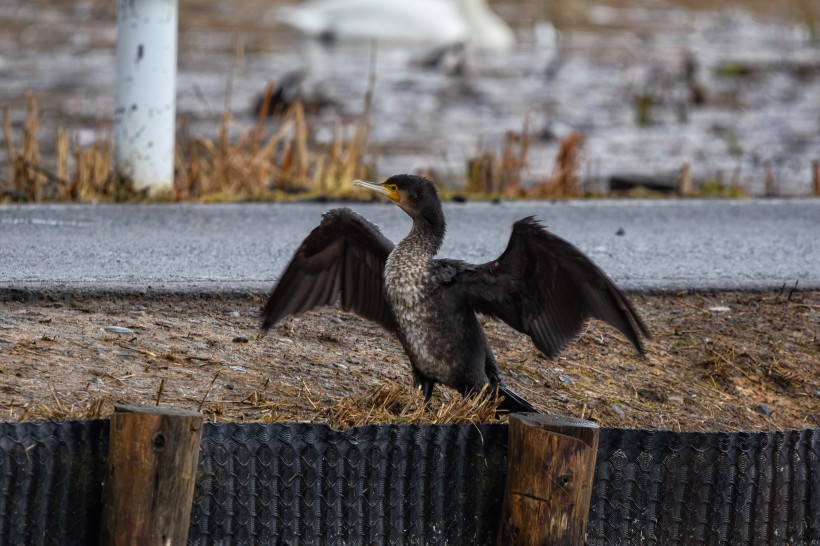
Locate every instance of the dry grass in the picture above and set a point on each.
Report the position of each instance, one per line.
(392, 403)
(81, 172)
(269, 161)
(705, 370)
(276, 160)
(264, 163)
(564, 179)
(500, 175)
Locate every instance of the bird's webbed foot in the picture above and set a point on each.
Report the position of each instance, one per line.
(510, 401)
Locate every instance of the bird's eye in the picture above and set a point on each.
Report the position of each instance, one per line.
(393, 187)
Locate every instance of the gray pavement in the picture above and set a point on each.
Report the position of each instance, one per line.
(666, 245)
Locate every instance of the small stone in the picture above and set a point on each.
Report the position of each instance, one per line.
(566, 379)
(652, 395)
(817, 394)
(674, 399)
(617, 409)
(670, 373)
(628, 368)
(239, 369)
(719, 309)
(117, 330)
(342, 366)
(621, 232)
(229, 386)
(235, 314)
(240, 339)
(764, 409)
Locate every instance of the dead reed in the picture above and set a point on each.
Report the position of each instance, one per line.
(24, 158)
(388, 403)
(500, 175)
(392, 403)
(267, 161)
(564, 179)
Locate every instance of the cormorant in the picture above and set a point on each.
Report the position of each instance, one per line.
(541, 285)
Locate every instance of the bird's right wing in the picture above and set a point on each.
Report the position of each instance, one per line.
(343, 256)
(546, 288)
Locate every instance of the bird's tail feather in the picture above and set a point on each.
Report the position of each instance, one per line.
(513, 403)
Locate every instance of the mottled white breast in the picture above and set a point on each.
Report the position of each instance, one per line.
(409, 286)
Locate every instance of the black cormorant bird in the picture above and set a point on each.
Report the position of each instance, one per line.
(541, 285)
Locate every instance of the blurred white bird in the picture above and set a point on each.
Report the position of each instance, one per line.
(433, 22)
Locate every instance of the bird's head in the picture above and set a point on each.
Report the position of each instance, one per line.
(415, 195)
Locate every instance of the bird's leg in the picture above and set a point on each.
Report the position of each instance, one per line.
(426, 387)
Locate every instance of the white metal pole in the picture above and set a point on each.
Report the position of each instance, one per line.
(146, 93)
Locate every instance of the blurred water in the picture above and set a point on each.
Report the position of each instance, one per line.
(761, 79)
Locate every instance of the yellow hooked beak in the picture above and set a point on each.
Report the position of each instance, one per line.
(390, 190)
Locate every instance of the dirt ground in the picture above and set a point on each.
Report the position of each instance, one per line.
(725, 361)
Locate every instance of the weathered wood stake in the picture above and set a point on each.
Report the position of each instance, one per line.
(149, 487)
(550, 467)
(815, 169)
(685, 188)
(768, 180)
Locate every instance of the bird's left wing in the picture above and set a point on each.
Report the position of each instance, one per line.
(546, 288)
(343, 256)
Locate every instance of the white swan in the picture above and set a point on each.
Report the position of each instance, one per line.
(433, 22)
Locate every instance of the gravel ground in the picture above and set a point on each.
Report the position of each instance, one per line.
(719, 361)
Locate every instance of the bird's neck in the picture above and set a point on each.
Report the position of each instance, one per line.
(426, 236)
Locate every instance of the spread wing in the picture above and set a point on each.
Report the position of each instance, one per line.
(546, 288)
(343, 256)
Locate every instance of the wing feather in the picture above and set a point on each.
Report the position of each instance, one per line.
(342, 258)
(545, 287)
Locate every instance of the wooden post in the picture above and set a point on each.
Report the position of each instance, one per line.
(685, 182)
(769, 180)
(815, 169)
(149, 487)
(550, 467)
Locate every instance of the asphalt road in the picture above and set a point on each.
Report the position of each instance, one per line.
(665, 245)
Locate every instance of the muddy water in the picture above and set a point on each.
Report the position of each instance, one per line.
(758, 77)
